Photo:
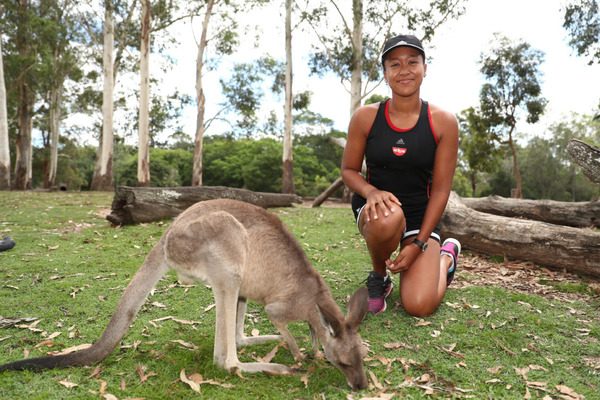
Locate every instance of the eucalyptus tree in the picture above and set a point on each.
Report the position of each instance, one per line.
(143, 170)
(479, 153)
(222, 38)
(351, 47)
(19, 24)
(218, 37)
(4, 144)
(36, 43)
(156, 15)
(117, 36)
(61, 61)
(582, 22)
(287, 183)
(512, 72)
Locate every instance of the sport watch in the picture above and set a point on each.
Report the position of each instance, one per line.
(422, 245)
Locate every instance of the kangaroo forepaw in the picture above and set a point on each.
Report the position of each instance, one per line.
(272, 369)
(299, 356)
(285, 371)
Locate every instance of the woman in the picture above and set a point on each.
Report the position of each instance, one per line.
(411, 149)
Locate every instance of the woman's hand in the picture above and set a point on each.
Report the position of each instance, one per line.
(380, 203)
(404, 260)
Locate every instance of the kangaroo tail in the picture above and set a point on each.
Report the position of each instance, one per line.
(153, 268)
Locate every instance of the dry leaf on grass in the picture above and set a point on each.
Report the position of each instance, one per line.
(569, 392)
(304, 380)
(270, 354)
(67, 384)
(210, 307)
(142, 373)
(187, 345)
(195, 380)
(374, 380)
(75, 348)
(193, 385)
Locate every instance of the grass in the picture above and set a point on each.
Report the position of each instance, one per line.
(70, 266)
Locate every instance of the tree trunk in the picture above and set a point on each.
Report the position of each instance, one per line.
(4, 144)
(555, 246)
(200, 99)
(519, 193)
(22, 175)
(103, 170)
(136, 204)
(587, 157)
(582, 214)
(55, 115)
(144, 107)
(357, 54)
(287, 159)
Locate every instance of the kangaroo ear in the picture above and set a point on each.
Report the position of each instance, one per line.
(357, 308)
(329, 322)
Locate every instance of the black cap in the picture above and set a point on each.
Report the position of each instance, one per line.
(399, 41)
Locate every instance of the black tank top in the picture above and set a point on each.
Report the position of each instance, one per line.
(401, 161)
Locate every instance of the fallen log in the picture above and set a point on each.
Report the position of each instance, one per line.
(334, 187)
(588, 158)
(576, 250)
(582, 214)
(133, 205)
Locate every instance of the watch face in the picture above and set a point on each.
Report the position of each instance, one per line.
(424, 247)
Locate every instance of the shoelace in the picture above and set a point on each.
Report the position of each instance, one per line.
(375, 286)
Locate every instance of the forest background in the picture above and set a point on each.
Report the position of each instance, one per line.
(62, 129)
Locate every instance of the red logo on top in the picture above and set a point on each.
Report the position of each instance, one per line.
(399, 151)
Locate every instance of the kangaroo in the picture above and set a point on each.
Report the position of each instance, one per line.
(243, 252)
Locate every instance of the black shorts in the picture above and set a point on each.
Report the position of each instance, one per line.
(414, 218)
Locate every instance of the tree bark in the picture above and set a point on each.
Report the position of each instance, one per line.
(146, 204)
(356, 90)
(582, 214)
(23, 159)
(55, 116)
(4, 144)
(103, 170)
(588, 158)
(287, 184)
(555, 246)
(143, 175)
(200, 98)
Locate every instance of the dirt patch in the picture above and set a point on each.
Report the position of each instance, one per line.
(522, 276)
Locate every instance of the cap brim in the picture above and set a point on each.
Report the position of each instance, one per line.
(386, 52)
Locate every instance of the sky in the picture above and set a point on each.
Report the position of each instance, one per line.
(453, 79)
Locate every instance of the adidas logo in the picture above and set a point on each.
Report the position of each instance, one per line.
(400, 142)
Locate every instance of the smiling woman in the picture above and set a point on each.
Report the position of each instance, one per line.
(411, 149)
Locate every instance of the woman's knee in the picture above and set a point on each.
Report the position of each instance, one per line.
(385, 228)
(420, 305)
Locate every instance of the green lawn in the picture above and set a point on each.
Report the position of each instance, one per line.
(70, 267)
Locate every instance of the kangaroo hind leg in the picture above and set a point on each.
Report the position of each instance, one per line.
(213, 248)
